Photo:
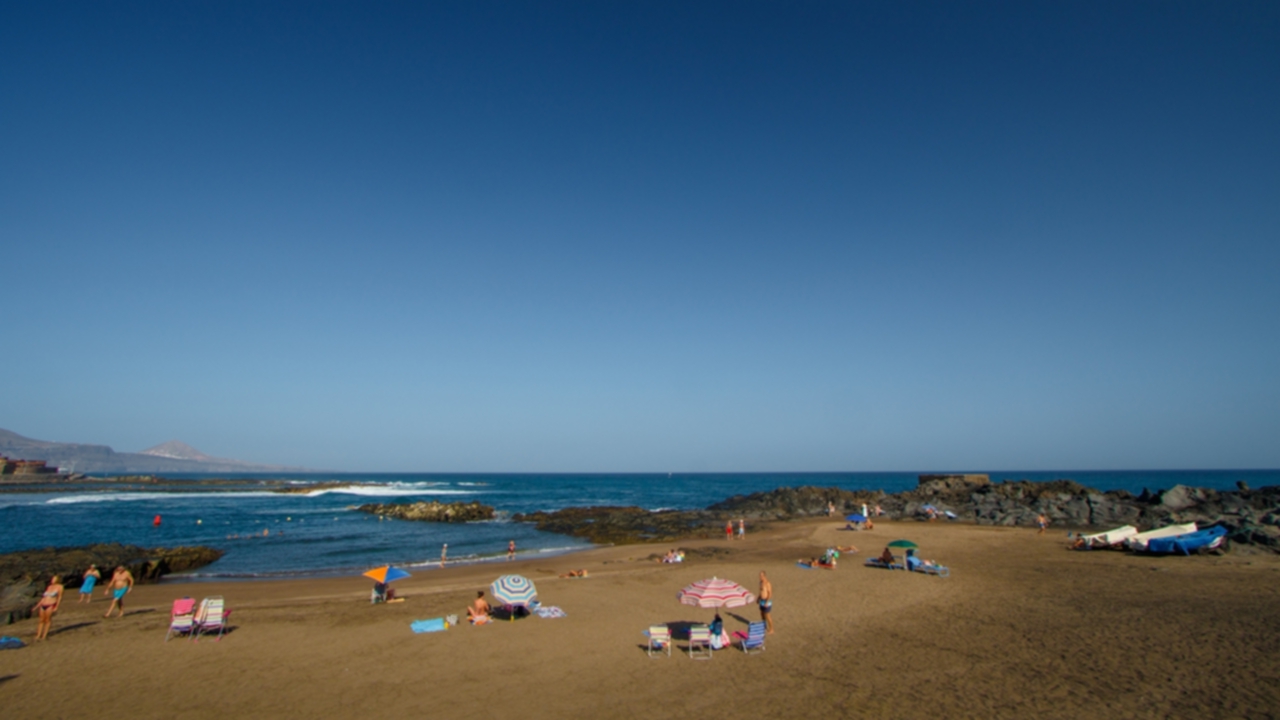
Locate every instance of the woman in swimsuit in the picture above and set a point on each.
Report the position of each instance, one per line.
(48, 605)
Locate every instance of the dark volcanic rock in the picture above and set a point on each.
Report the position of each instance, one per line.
(431, 511)
(1251, 516)
(625, 525)
(24, 574)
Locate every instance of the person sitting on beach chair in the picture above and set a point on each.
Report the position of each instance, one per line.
(478, 611)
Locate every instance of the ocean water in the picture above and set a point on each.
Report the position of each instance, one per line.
(319, 532)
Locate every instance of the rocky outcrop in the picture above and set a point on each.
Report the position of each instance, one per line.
(625, 525)
(433, 511)
(23, 575)
(1251, 516)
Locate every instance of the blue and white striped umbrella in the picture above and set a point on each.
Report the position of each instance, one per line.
(514, 590)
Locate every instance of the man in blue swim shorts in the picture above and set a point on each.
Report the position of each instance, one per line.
(766, 603)
(121, 583)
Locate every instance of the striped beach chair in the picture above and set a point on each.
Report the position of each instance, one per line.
(182, 617)
(659, 640)
(700, 642)
(753, 639)
(210, 617)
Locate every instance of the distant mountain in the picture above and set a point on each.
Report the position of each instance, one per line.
(178, 450)
(171, 457)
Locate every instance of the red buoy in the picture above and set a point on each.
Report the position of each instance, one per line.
(156, 522)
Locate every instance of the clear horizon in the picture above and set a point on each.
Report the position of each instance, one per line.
(653, 238)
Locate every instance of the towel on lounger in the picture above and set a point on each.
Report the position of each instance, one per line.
(426, 626)
(550, 611)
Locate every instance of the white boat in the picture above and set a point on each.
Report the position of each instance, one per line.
(1139, 541)
(1110, 537)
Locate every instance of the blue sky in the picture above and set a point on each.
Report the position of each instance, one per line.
(646, 236)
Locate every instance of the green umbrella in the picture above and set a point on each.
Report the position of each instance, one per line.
(904, 544)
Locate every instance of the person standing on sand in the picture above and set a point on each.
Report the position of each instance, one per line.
(444, 554)
(742, 528)
(120, 585)
(765, 599)
(831, 509)
(511, 551)
(49, 603)
(91, 578)
(1043, 522)
(728, 530)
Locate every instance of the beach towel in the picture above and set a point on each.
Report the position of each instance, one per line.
(550, 611)
(11, 643)
(427, 626)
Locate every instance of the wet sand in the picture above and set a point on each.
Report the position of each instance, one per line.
(1022, 628)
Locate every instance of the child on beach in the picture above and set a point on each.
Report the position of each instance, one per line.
(1043, 522)
(742, 528)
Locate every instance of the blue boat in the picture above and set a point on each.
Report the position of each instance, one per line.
(1210, 537)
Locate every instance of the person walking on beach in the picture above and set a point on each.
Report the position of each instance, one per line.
(49, 603)
(91, 578)
(119, 586)
(511, 551)
(1043, 522)
(765, 598)
(831, 509)
(742, 528)
(444, 554)
(728, 530)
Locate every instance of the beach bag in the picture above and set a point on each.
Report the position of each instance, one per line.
(11, 643)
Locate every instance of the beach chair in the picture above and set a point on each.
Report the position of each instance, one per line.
(210, 617)
(659, 640)
(939, 570)
(700, 642)
(182, 617)
(878, 563)
(753, 639)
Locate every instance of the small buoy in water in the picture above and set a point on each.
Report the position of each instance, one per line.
(289, 519)
(199, 521)
(156, 522)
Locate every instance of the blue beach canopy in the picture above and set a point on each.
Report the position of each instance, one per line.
(856, 517)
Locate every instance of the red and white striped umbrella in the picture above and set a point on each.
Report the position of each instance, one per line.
(714, 593)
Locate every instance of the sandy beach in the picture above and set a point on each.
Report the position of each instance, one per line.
(1022, 628)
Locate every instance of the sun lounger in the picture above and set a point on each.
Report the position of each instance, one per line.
(753, 639)
(210, 617)
(182, 617)
(878, 563)
(659, 640)
(939, 570)
(699, 641)
(1139, 542)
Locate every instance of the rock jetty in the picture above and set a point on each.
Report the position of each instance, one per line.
(431, 511)
(1252, 517)
(23, 575)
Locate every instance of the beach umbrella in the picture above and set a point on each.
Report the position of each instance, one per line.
(386, 574)
(904, 544)
(856, 518)
(715, 593)
(514, 590)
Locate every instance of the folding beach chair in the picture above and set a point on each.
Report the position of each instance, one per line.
(182, 617)
(753, 639)
(659, 640)
(700, 637)
(211, 616)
